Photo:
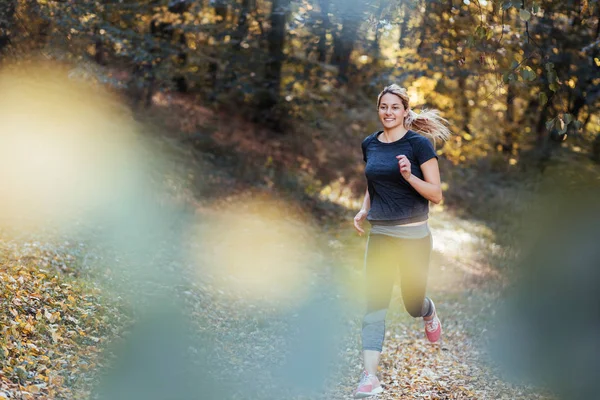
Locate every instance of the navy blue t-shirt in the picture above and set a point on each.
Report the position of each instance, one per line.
(393, 200)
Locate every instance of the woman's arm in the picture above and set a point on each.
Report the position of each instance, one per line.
(366, 206)
(431, 187)
(362, 214)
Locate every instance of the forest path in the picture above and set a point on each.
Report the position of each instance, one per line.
(466, 289)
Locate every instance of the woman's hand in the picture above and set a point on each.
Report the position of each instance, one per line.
(358, 221)
(404, 166)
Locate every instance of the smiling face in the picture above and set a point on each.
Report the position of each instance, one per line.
(391, 111)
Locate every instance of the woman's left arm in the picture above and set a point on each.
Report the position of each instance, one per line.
(430, 187)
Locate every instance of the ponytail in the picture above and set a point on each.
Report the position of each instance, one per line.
(428, 123)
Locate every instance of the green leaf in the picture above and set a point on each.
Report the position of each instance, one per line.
(505, 77)
(525, 15)
(553, 86)
(507, 5)
(552, 78)
(577, 124)
(550, 124)
(536, 8)
(568, 118)
(480, 32)
(532, 75)
(528, 74)
(549, 66)
(514, 64)
(543, 98)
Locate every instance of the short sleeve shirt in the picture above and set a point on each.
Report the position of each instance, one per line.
(393, 200)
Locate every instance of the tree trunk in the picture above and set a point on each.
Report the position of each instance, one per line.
(404, 25)
(540, 128)
(425, 27)
(238, 36)
(578, 103)
(508, 142)
(598, 23)
(242, 25)
(276, 40)
(323, 28)
(375, 49)
(344, 44)
(578, 17)
(7, 14)
(221, 10)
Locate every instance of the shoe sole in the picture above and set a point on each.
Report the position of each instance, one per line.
(362, 395)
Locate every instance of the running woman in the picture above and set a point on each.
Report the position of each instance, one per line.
(402, 178)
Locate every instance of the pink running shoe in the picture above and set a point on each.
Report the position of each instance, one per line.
(369, 386)
(433, 327)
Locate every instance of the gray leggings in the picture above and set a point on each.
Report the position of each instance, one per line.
(385, 257)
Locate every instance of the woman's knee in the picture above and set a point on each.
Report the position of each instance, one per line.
(415, 311)
(419, 309)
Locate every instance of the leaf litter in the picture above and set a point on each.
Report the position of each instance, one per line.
(57, 322)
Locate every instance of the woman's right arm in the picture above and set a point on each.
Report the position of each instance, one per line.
(362, 214)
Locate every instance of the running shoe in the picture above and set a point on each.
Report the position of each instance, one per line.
(433, 327)
(369, 386)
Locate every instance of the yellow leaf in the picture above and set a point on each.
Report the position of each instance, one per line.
(28, 327)
(56, 380)
(32, 389)
(71, 299)
(55, 337)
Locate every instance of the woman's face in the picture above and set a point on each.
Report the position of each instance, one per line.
(391, 111)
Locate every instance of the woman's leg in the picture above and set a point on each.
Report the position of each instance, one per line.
(414, 271)
(381, 265)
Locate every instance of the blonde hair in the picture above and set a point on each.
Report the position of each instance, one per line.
(427, 122)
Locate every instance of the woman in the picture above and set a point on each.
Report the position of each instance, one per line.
(402, 178)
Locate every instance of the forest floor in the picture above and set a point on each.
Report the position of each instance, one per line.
(56, 321)
(467, 289)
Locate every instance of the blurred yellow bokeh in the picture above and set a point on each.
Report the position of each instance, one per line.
(259, 252)
(66, 148)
